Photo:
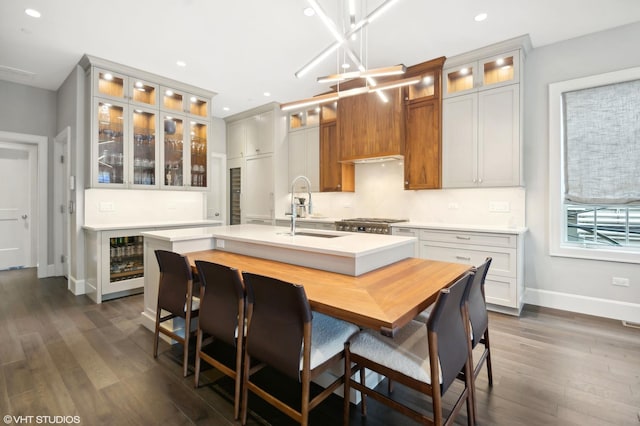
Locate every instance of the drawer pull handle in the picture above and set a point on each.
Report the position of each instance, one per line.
(462, 238)
(463, 258)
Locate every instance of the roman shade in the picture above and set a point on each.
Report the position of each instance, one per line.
(602, 144)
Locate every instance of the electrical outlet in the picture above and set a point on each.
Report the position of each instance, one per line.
(453, 206)
(499, 206)
(219, 243)
(620, 281)
(106, 206)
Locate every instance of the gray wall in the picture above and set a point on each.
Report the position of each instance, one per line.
(69, 107)
(555, 280)
(26, 109)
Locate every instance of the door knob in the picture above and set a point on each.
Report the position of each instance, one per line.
(24, 216)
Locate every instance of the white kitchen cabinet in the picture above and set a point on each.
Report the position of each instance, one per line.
(304, 157)
(251, 136)
(128, 139)
(258, 191)
(481, 117)
(481, 142)
(504, 285)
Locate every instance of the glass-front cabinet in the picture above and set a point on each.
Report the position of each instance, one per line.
(144, 147)
(184, 152)
(111, 133)
(144, 132)
(495, 71)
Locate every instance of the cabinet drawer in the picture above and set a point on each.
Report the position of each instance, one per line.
(405, 232)
(503, 262)
(477, 238)
(501, 290)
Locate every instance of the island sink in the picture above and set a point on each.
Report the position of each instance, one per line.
(309, 234)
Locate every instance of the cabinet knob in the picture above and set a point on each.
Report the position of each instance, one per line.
(339, 185)
(406, 182)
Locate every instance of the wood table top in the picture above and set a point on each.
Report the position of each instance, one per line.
(384, 299)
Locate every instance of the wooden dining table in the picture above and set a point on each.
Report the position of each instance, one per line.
(384, 299)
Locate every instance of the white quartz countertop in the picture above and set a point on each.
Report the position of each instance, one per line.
(462, 227)
(151, 225)
(346, 244)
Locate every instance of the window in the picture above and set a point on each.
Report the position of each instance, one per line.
(594, 188)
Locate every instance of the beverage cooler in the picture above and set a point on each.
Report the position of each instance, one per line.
(114, 263)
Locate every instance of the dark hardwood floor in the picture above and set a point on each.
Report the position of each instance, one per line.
(62, 355)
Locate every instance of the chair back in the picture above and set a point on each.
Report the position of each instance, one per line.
(221, 302)
(175, 277)
(477, 305)
(447, 323)
(279, 311)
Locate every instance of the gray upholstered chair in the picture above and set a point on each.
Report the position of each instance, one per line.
(416, 354)
(222, 317)
(175, 296)
(283, 333)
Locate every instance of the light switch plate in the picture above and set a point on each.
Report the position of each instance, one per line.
(106, 206)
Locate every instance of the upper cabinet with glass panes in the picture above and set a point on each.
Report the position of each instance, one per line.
(128, 118)
(494, 71)
(185, 103)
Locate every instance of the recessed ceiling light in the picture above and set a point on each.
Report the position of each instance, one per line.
(193, 99)
(33, 13)
(225, 108)
(139, 84)
(108, 76)
(480, 17)
(464, 71)
(169, 92)
(308, 11)
(181, 63)
(346, 65)
(267, 94)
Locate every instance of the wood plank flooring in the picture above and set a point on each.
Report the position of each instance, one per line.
(62, 355)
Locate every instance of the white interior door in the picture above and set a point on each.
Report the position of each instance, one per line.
(17, 195)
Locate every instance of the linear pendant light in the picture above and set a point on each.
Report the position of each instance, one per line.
(395, 84)
(376, 72)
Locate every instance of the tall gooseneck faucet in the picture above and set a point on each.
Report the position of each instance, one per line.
(293, 205)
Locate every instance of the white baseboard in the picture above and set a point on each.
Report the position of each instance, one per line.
(76, 287)
(614, 309)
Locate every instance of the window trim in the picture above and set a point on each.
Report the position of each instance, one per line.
(557, 218)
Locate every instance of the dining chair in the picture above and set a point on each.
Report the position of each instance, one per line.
(424, 357)
(222, 317)
(283, 333)
(478, 318)
(175, 296)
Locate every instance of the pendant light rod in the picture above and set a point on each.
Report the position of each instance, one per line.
(356, 28)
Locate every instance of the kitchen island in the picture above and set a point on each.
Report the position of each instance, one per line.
(351, 254)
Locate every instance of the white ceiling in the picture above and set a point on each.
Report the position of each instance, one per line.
(243, 48)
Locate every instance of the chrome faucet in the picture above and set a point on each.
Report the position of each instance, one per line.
(293, 206)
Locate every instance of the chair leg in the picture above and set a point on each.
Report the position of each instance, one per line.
(245, 392)
(363, 395)
(156, 333)
(185, 356)
(488, 360)
(197, 363)
(347, 386)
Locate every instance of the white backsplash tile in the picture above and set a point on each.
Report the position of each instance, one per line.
(129, 206)
(380, 193)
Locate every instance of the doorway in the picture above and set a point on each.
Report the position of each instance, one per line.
(17, 199)
(24, 180)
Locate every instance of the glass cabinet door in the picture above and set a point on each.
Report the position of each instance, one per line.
(143, 93)
(110, 84)
(110, 149)
(173, 150)
(198, 154)
(460, 79)
(144, 147)
(500, 70)
(424, 88)
(172, 100)
(198, 106)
